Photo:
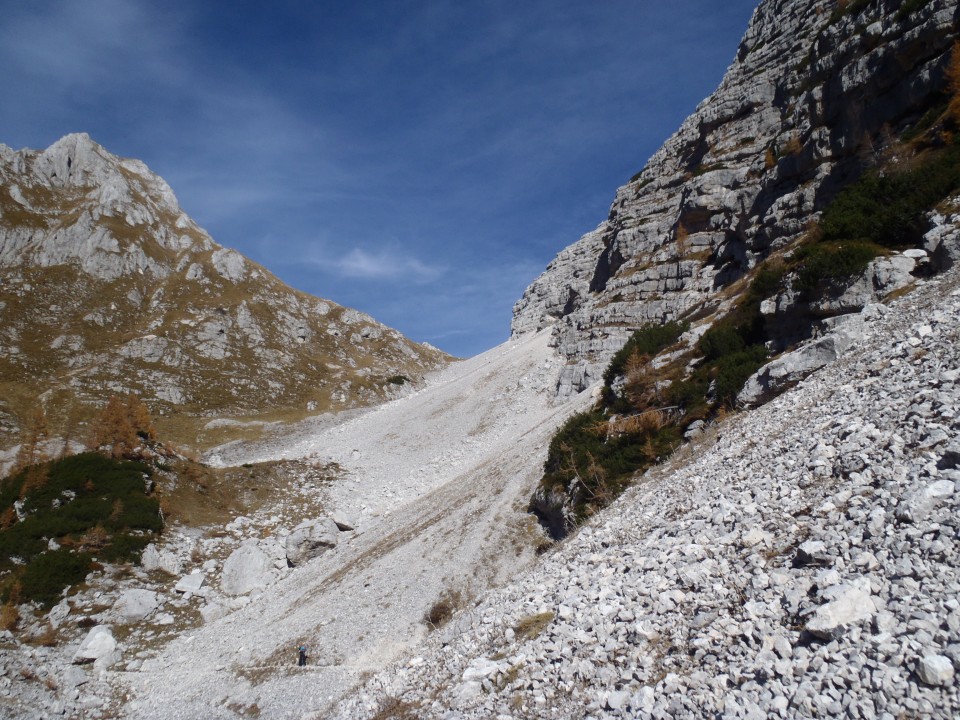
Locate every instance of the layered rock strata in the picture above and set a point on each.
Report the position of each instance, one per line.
(811, 100)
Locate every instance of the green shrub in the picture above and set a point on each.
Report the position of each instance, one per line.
(45, 577)
(720, 340)
(603, 465)
(84, 499)
(889, 209)
(909, 7)
(398, 380)
(734, 370)
(927, 121)
(689, 394)
(125, 548)
(848, 7)
(832, 261)
(767, 281)
(648, 340)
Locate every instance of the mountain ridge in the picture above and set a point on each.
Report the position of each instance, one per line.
(107, 285)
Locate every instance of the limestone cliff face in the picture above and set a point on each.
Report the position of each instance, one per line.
(107, 286)
(812, 94)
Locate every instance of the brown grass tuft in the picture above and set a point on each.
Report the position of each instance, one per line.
(531, 626)
(9, 617)
(443, 609)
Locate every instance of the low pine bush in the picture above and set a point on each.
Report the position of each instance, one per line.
(89, 504)
(733, 371)
(889, 209)
(648, 340)
(45, 577)
(822, 262)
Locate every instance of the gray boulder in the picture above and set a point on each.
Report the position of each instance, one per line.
(99, 648)
(136, 604)
(936, 670)
(850, 605)
(921, 503)
(790, 368)
(247, 568)
(154, 558)
(310, 539)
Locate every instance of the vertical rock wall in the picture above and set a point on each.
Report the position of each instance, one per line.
(805, 107)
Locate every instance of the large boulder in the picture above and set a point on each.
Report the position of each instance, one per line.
(849, 605)
(310, 539)
(792, 367)
(153, 558)
(136, 604)
(99, 648)
(883, 276)
(247, 568)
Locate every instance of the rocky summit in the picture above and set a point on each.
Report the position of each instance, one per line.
(814, 93)
(791, 550)
(107, 286)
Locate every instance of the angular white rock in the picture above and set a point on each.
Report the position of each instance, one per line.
(936, 670)
(850, 605)
(153, 558)
(343, 520)
(98, 647)
(136, 604)
(247, 568)
(190, 583)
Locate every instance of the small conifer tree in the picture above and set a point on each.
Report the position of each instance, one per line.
(33, 440)
(121, 425)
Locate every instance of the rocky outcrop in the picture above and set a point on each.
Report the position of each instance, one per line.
(792, 367)
(812, 92)
(107, 286)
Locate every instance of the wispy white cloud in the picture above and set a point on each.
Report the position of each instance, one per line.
(387, 262)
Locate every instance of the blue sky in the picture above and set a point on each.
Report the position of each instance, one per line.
(421, 161)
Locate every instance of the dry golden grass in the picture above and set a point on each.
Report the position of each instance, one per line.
(769, 159)
(953, 83)
(9, 617)
(444, 608)
(531, 626)
(395, 709)
(792, 147)
(48, 637)
(645, 422)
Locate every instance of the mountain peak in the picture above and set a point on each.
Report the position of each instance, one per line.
(107, 286)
